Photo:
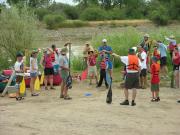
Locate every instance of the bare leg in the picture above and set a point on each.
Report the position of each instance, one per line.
(62, 88)
(96, 79)
(45, 81)
(33, 79)
(126, 93)
(141, 81)
(51, 80)
(134, 94)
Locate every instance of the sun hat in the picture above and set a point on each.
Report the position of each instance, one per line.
(104, 40)
(146, 35)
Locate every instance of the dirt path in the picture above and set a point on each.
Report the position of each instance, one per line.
(49, 115)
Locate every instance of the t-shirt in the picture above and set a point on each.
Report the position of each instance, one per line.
(35, 65)
(125, 60)
(154, 77)
(63, 61)
(18, 66)
(105, 47)
(92, 60)
(144, 62)
(163, 50)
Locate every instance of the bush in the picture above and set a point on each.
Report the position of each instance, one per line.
(52, 20)
(71, 12)
(160, 16)
(116, 14)
(93, 14)
(18, 31)
(41, 12)
(77, 63)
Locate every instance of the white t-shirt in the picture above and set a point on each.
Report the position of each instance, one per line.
(125, 60)
(35, 65)
(143, 63)
(17, 67)
(63, 61)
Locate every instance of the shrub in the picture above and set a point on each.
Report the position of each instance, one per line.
(116, 14)
(52, 20)
(160, 16)
(41, 12)
(71, 12)
(18, 33)
(77, 63)
(93, 14)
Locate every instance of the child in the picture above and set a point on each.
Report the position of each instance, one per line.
(155, 68)
(156, 53)
(92, 69)
(103, 67)
(33, 71)
(19, 71)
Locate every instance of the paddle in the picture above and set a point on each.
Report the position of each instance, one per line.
(69, 79)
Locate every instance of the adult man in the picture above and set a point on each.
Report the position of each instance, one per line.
(163, 60)
(143, 58)
(133, 65)
(108, 51)
(87, 48)
(64, 71)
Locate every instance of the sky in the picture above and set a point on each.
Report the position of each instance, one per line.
(63, 1)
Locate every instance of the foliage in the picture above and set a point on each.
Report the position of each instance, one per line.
(41, 12)
(73, 24)
(52, 20)
(17, 34)
(77, 63)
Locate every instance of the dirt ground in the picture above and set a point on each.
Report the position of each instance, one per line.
(50, 115)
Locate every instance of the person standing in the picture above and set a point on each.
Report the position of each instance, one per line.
(87, 48)
(143, 74)
(172, 44)
(176, 65)
(163, 60)
(64, 72)
(55, 59)
(33, 71)
(133, 65)
(19, 72)
(46, 62)
(108, 51)
(155, 68)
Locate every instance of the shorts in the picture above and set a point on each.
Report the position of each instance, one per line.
(143, 73)
(163, 61)
(35, 74)
(132, 80)
(92, 71)
(64, 75)
(154, 87)
(176, 67)
(49, 71)
(110, 65)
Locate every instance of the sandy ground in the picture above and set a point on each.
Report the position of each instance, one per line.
(49, 115)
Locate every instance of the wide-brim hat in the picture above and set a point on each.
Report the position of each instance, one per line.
(146, 35)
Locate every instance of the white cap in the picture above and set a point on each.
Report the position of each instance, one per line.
(134, 48)
(104, 40)
(146, 35)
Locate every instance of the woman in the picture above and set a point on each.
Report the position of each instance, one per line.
(176, 63)
(46, 62)
(33, 71)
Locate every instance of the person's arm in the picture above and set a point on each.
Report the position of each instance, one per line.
(115, 55)
(50, 50)
(170, 40)
(42, 62)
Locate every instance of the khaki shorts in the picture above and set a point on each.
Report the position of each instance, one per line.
(92, 71)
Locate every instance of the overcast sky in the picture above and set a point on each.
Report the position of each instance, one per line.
(63, 1)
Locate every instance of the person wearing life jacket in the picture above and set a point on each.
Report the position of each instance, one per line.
(55, 59)
(133, 66)
(155, 69)
(172, 44)
(92, 69)
(47, 64)
(156, 53)
(176, 63)
(143, 73)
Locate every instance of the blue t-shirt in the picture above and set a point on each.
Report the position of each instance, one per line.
(163, 50)
(105, 47)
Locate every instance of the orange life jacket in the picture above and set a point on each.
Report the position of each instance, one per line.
(133, 63)
(157, 69)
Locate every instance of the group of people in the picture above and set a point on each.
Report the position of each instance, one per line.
(142, 59)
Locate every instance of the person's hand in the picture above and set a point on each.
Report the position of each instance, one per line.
(115, 55)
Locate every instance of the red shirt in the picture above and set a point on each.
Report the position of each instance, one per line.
(103, 64)
(155, 73)
(176, 60)
(92, 60)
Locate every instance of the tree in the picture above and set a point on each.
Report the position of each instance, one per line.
(86, 3)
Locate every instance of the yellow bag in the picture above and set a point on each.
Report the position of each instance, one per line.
(22, 87)
(37, 84)
(42, 79)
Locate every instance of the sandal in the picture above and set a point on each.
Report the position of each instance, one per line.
(34, 95)
(67, 98)
(19, 98)
(61, 96)
(52, 88)
(153, 100)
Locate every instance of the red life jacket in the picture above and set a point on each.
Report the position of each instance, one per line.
(48, 61)
(92, 61)
(156, 54)
(177, 60)
(157, 69)
(133, 63)
(53, 57)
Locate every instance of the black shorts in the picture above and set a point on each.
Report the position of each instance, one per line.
(132, 80)
(176, 67)
(49, 71)
(163, 61)
(143, 73)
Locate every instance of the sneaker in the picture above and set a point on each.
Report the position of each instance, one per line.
(34, 95)
(178, 101)
(157, 99)
(133, 103)
(126, 102)
(153, 100)
(67, 97)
